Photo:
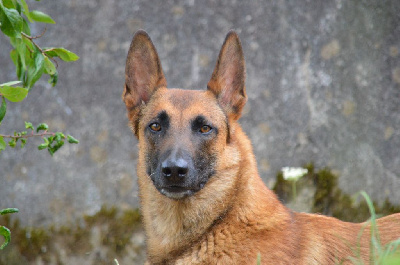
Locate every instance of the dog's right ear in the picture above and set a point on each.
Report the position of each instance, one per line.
(143, 75)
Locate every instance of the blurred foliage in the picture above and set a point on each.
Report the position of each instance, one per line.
(31, 63)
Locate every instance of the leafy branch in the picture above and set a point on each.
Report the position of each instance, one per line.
(4, 231)
(31, 62)
(52, 140)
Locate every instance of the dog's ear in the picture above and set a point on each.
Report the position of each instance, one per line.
(228, 79)
(143, 75)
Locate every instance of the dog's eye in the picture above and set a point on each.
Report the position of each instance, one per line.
(205, 129)
(156, 127)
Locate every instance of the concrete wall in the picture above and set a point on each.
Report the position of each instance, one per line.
(323, 80)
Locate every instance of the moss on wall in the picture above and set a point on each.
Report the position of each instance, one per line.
(100, 237)
(329, 199)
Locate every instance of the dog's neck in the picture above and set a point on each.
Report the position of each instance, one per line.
(181, 223)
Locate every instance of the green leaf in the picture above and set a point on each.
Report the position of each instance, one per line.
(9, 3)
(72, 140)
(18, 64)
(63, 53)
(43, 146)
(11, 83)
(2, 144)
(18, 7)
(29, 45)
(58, 145)
(5, 232)
(59, 136)
(13, 41)
(29, 125)
(54, 148)
(3, 108)
(50, 151)
(12, 143)
(26, 10)
(42, 127)
(25, 27)
(41, 17)
(10, 22)
(49, 139)
(21, 49)
(14, 94)
(23, 142)
(8, 211)
(53, 79)
(14, 56)
(49, 66)
(35, 69)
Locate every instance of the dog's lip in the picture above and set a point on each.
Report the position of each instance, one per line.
(179, 191)
(176, 192)
(182, 188)
(176, 188)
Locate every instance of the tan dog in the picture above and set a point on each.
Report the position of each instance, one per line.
(202, 199)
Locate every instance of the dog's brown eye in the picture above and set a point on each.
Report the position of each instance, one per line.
(205, 129)
(155, 127)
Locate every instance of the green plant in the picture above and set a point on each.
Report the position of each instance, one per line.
(258, 259)
(31, 62)
(293, 174)
(388, 254)
(4, 231)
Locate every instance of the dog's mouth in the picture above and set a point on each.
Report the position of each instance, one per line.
(177, 192)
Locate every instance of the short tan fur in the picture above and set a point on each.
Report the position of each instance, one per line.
(202, 199)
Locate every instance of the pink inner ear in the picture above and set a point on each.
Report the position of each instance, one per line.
(145, 74)
(228, 79)
(231, 79)
(141, 81)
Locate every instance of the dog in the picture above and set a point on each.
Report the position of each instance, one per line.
(202, 199)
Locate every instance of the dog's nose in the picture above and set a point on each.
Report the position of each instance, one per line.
(174, 170)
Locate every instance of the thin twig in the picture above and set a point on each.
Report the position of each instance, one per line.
(29, 49)
(31, 39)
(41, 35)
(37, 46)
(28, 135)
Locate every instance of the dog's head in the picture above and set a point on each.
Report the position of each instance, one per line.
(182, 133)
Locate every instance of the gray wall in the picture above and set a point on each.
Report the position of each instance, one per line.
(323, 80)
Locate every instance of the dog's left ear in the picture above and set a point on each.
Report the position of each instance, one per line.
(228, 79)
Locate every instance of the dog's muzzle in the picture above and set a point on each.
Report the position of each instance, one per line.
(176, 177)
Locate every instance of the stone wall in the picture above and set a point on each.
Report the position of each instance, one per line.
(323, 80)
